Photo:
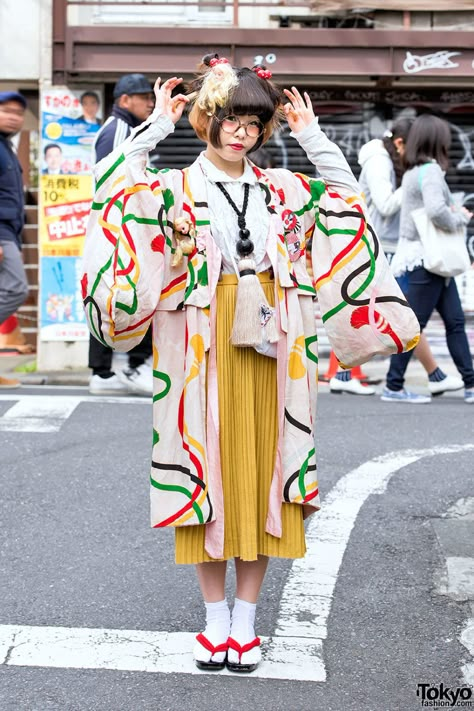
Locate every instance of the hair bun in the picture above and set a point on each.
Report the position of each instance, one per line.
(207, 58)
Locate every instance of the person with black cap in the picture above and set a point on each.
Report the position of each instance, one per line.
(134, 101)
(13, 283)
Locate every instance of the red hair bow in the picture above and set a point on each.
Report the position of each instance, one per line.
(262, 73)
(216, 60)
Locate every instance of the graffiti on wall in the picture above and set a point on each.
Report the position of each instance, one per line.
(437, 60)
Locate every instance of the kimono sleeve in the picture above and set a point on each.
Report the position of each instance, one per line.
(363, 310)
(124, 255)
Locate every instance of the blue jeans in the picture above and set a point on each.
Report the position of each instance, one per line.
(427, 292)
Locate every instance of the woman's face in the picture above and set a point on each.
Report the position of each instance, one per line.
(234, 139)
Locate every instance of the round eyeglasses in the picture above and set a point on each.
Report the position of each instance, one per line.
(230, 124)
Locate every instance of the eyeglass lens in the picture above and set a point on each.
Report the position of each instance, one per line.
(230, 124)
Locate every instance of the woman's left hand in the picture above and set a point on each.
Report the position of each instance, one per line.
(299, 112)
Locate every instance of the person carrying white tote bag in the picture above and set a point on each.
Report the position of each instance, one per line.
(431, 285)
(444, 253)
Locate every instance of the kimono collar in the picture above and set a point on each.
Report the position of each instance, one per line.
(214, 175)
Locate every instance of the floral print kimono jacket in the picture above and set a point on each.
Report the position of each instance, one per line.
(129, 281)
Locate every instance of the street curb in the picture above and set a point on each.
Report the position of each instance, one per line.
(79, 377)
(63, 377)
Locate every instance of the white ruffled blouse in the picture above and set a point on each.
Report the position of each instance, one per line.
(223, 218)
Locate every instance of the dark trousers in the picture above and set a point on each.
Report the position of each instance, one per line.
(427, 292)
(100, 356)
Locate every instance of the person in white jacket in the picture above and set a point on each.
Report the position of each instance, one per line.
(380, 178)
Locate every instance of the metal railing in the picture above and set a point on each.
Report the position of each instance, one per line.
(152, 12)
(161, 12)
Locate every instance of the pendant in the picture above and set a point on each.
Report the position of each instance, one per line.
(244, 246)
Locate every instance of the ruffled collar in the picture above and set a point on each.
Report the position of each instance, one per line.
(215, 175)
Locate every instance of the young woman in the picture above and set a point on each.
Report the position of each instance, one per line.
(424, 185)
(217, 257)
(380, 179)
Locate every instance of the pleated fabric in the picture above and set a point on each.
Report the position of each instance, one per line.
(248, 423)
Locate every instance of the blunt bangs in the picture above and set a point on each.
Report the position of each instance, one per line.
(251, 96)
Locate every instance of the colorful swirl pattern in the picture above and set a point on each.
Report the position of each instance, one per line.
(322, 244)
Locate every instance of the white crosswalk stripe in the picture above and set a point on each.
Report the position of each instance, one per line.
(38, 413)
(137, 650)
(456, 579)
(47, 413)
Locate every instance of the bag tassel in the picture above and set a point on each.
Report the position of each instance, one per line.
(254, 319)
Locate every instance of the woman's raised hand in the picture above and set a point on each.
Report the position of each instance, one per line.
(172, 107)
(299, 112)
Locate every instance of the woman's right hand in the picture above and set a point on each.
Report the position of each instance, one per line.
(172, 107)
(467, 213)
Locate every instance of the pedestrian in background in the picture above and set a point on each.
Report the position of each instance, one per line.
(13, 283)
(424, 185)
(134, 102)
(380, 179)
(216, 255)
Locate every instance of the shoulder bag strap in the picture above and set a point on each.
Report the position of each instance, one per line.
(421, 172)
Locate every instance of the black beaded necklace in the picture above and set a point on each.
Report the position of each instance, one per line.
(252, 313)
(244, 246)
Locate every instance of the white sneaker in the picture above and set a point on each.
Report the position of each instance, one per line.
(352, 386)
(107, 386)
(137, 380)
(450, 382)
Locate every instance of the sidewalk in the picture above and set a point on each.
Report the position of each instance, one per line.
(9, 365)
(416, 378)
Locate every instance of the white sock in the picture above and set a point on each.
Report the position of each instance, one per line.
(217, 621)
(243, 618)
(243, 631)
(217, 630)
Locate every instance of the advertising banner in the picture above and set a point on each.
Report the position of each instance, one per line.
(70, 121)
(61, 312)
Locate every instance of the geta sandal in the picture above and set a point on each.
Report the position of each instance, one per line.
(241, 649)
(210, 665)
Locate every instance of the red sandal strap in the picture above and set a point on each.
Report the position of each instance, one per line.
(202, 639)
(241, 649)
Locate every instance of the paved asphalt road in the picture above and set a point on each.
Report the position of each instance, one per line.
(76, 552)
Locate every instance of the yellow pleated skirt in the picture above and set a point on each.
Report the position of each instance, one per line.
(248, 433)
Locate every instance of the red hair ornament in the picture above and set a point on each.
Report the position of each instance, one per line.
(218, 60)
(262, 73)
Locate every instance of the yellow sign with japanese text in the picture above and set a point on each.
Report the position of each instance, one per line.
(65, 205)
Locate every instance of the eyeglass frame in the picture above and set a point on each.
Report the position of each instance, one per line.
(241, 125)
